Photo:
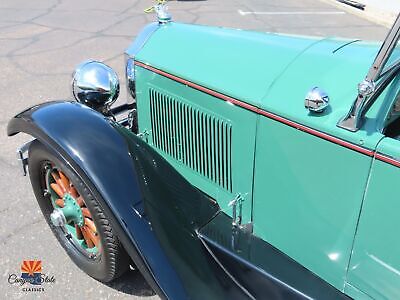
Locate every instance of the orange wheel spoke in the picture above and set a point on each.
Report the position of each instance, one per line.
(80, 201)
(93, 237)
(60, 202)
(86, 213)
(73, 192)
(59, 182)
(90, 224)
(79, 234)
(64, 180)
(56, 188)
(86, 236)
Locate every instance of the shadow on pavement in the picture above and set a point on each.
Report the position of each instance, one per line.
(132, 283)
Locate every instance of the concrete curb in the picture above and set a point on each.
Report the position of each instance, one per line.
(371, 12)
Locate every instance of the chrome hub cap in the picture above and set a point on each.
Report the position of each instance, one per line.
(57, 218)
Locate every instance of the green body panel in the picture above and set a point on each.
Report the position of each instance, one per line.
(302, 193)
(208, 146)
(307, 197)
(355, 293)
(375, 263)
(308, 191)
(337, 73)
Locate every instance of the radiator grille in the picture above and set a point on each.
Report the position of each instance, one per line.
(198, 139)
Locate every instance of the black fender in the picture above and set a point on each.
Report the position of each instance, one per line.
(154, 210)
(185, 247)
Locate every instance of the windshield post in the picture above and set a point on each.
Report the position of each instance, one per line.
(366, 89)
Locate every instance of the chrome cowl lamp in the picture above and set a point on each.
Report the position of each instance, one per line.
(95, 85)
(317, 100)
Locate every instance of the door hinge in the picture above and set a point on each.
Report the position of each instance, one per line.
(237, 213)
(237, 209)
(238, 229)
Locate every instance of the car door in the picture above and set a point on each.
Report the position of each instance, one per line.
(375, 263)
(308, 208)
(310, 185)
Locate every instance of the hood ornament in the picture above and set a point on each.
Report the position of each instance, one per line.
(161, 9)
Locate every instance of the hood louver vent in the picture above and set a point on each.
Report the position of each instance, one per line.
(197, 139)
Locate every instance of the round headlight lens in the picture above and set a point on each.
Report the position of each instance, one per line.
(95, 85)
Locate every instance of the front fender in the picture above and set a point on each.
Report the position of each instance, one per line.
(154, 210)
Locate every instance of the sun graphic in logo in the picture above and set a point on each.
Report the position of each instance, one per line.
(31, 271)
(31, 267)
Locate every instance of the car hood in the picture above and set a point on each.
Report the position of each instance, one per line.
(267, 70)
(332, 65)
(241, 64)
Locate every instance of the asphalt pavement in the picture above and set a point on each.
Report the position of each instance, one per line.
(41, 42)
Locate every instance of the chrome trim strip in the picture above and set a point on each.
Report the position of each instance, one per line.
(130, 54)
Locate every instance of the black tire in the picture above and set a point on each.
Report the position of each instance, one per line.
(111, 261)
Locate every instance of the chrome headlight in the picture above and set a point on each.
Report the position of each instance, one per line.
(95, 85)
(130, 79)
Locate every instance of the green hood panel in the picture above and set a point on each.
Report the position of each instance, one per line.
(270, 71)
(267, 70)
(337, 71)
(240, 64)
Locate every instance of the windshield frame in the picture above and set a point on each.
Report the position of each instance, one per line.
(379, 68)
(367, 89)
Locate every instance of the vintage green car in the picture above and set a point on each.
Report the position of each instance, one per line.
(243, 165)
